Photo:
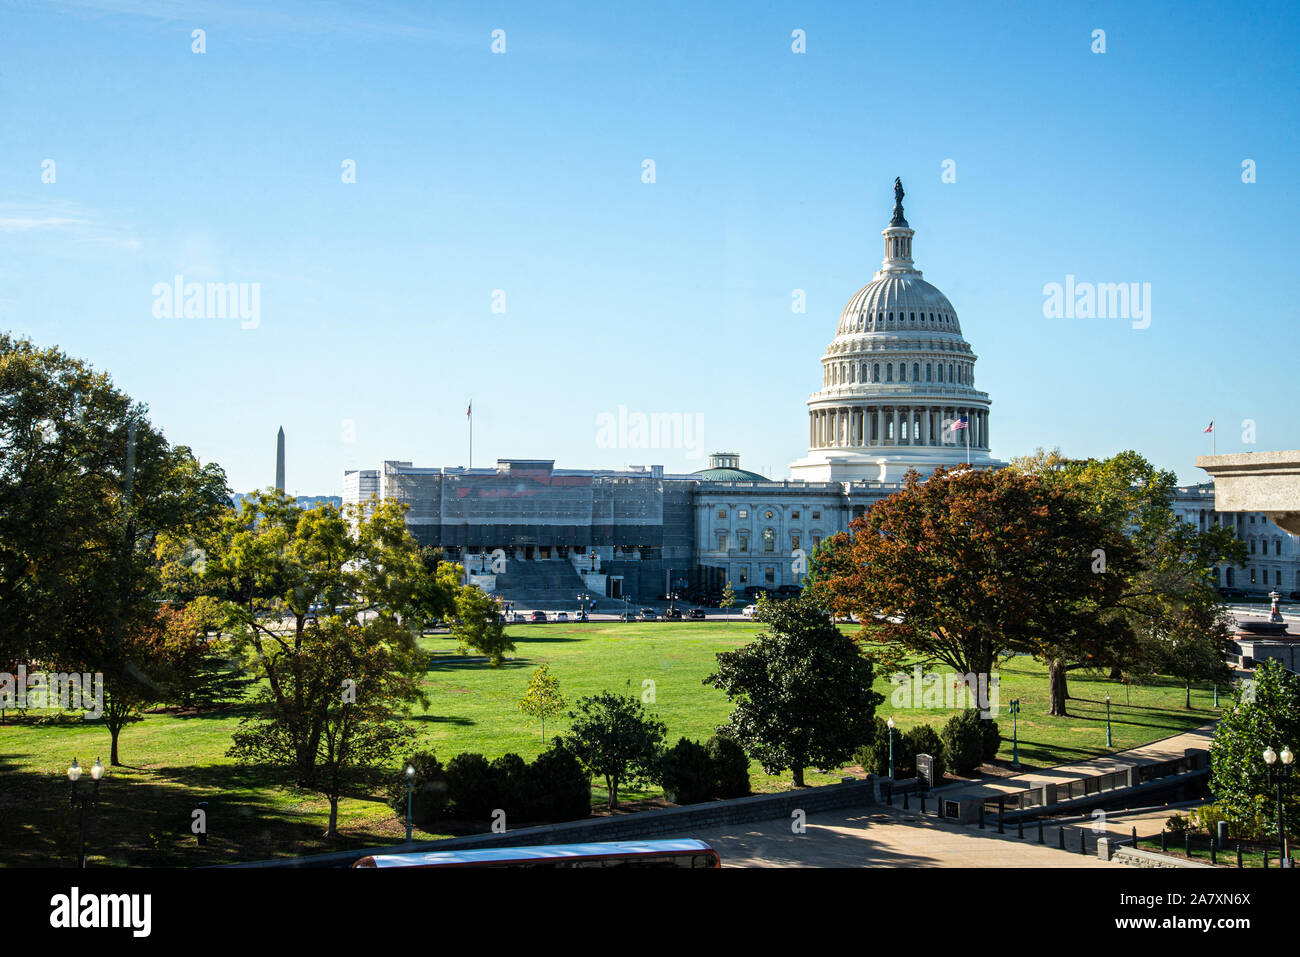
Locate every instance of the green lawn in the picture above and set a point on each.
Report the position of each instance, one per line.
(175, 762)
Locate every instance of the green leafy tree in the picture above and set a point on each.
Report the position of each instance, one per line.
(543, 699)
(1192, 646)
(87, 486)
(477, 624)
(1168, 567)
(355, 687)
(1266, 713)
(801, 690)
(271, 561)
(728, 599)
(616, 738)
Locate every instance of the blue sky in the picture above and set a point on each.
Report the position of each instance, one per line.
(522, 172)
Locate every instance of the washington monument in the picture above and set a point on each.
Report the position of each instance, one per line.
(279, 461)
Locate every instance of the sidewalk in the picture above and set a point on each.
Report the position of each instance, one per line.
(1152, 753)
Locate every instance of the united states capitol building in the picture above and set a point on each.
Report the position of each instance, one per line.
(897, 393)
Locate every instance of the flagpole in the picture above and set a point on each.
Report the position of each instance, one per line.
(1213, 436)
(967, 431)
(470, 416)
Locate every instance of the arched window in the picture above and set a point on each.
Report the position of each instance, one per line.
(889, 372)
(940, 371)
(875, 372)
(902, 372)
(913, 315)
(916, 372)
(891, 319)
(950, 378)
(769, 540)
(929, 372)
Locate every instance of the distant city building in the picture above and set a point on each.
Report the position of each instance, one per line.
(1273, 554)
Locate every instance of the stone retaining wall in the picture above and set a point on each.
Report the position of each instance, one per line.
(641, 825)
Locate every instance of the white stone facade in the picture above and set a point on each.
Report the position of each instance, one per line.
(895, 379)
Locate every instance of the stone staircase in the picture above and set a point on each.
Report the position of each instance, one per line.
(552, 583)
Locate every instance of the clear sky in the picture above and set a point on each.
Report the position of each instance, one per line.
(523, 172)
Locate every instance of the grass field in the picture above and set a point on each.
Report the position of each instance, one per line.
(174, 762)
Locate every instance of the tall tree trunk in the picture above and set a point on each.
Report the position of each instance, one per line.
(1187, 685)
(333, 829)
(1116, 672)
(1057, 689)
(113, 731)
(798, 777)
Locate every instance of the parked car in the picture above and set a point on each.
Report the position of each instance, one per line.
(517, 617)
(538, 616)
(561, 616)
(673, 613)
(696, 614)
(1235, 594)
(647, 614)
(748, 610)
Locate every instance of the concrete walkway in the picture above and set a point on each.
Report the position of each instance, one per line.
(887, 837)
(1153, 753)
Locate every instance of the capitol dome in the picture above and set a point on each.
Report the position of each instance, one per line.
(898, 380)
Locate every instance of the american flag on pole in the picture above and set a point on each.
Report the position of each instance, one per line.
(1210, 427)
(470, 409)
(957, 424)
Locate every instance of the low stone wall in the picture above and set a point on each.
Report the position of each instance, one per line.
(642, 825)
(1111, 850)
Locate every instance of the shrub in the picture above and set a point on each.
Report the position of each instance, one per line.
(992, 738)
(1207, 818)
(688, 773)
(963, 741)
(874, 755)
(428, 792)
(509, 775)
(1177, 824)
(471, 786)
(922, 739)
(559, 787)
(730, 766)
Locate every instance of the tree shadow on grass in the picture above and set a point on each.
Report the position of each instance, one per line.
(461, 663)
(443, 719)
(144, 819)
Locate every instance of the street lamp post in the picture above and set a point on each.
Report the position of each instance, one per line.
(1276, 775)
(1108, 740)
(582, 606)
(890, 722)
(84, 796)
(1015, 732)
(410, 788)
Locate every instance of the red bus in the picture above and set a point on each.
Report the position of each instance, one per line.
(676, 853)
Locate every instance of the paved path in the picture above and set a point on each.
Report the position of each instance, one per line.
(882, 836)
(886, 837)
(1153, 753)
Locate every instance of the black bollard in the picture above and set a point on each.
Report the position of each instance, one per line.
(1083, 841)
(1163, 840)
(922, 803)
(1040, 830)
(1020, 828)
(1135, 837)
(1239, 864)
(981, 815)
(1214, 859)
(906, 805)
(1187, 843)
(1060, 838)
(1002, 810)
(889, 795)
